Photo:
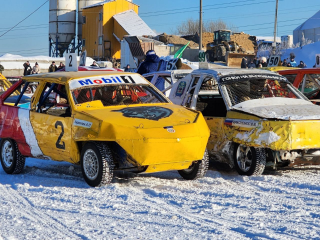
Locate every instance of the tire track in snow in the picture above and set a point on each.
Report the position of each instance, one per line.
(30, 211)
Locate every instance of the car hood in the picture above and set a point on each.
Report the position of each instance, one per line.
(145, 116)
(280, 108)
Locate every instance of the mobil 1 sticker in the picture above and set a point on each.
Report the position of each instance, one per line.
(105, 80)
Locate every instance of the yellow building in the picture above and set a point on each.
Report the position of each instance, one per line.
(106, 23)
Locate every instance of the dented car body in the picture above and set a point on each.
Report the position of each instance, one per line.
(256, 117)
(103, 121)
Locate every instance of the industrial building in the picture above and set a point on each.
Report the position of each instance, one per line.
(106, 23)
(98, 27)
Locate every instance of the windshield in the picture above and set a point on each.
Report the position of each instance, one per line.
(249, 89)
(118, 94)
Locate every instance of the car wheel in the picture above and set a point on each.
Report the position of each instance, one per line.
(11, 159)
(97, 164)
(249, 160)
(198, 169)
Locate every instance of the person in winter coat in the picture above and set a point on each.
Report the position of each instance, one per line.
(27, 68)
(36, 69)
(251, 64)
(153, 64)
(53, 67)
(264, 62)
(302, 65)
(61, 66)
(293, 63)
(284, 63)
(127, 68)
(244, 62)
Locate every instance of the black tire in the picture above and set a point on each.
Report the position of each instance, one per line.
(11, 159)
(198, 169)
(97, 164)
(249, 160)
(221, 53)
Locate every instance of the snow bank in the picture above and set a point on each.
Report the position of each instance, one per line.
(10, 61)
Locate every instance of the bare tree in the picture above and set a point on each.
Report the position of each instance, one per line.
(191, 26)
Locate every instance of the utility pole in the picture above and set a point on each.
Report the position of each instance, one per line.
(200, 27)
(274, 44)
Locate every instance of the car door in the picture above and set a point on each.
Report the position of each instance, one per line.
(51, 124)
(208, 100)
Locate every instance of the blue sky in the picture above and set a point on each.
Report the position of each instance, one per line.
(254, 17)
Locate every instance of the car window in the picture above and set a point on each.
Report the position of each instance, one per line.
(19, 97)
(149, 78)
(310, 85)
(54, 101)
(240, 91)
(211, 105)
(118, 94)
(191, 91)
(291, 77)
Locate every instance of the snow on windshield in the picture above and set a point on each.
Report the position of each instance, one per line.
(244, 90)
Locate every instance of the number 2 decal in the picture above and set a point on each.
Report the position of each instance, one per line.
(58, 143)
(70, 63)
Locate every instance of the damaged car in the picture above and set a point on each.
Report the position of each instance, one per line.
(104, 121)
(257, 118)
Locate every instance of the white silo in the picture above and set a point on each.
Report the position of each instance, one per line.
(62, 25)
(82, 4)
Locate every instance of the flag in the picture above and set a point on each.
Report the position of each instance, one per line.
(178, 54)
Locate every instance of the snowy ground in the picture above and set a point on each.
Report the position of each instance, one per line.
(50, 200)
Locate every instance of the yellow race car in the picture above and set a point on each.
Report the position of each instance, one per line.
(257, 118)
(104, 121)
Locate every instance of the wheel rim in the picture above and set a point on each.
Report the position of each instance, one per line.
(244, 158)
(7, 154)
(91, 164)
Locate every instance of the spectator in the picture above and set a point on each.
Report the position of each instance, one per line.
(260, 65)
(127, 68)
(263, 62)
(293, 62)
(256, 61)
(27, 68)
(244, 62)
(289, 65)
(94, 64)
(251, 64)
(61, 66)
(53, 67)
(302, 65)
(151, 64)
(284, 63)
(36, 69)
(1, 68)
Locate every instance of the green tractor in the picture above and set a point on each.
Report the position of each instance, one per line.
(222, 47)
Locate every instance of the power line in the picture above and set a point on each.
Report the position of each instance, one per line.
(196, 7)
(27, 26)
(26, 29)
(24, 18)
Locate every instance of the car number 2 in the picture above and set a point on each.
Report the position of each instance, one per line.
(60, 144)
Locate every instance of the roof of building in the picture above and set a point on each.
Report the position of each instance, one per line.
(313, 22)
(133, 24)
(103, 2)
